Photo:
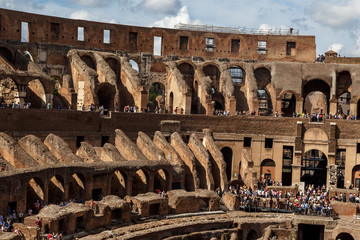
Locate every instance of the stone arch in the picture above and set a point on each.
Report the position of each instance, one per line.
(188, 72)
(77, 186)
(156, 96)
(56, 189)
(313, 100)
(9, 91)
(35, 94)
(237, 74)
(228, 158)
(34, 192)
(89, 60)
(264, 101)
(252, 235)
(114, 64)
(213, 71)
(267, 169)
(134, 64)
(355, 177)
(158, 67)
(344, 236)
(160, 180)
(140, 182)
(118, 183)
(314, 168)
(315, 134)
(288, 102)
(343, 82)
(106, 95)
(262, 76)
(7, 54)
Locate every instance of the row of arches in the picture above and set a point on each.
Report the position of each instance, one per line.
(80, 187)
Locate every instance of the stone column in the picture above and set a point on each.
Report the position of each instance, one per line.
(353, 108)
(89, 187)
(300, 105)
(151, 182)
(333, 106)
(128, 184)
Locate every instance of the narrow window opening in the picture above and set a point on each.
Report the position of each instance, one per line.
(157, 46)
(107, 36)
(24, 32)
(81, 34)
(262, 47)
(290, 48)
(268, 142)
(209, 44)
(104, 139)
(55, 30)
(184, 41)
(235, 45)
(358, 148)
(133, 39)
(247, 141)
(79, 139)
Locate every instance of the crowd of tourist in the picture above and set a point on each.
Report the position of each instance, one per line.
(318, 117)
(311, 201)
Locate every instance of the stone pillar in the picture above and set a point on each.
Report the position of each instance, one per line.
(46, 191)
(230, 103)
(300, 106)
(66, 189)
(333, 106)
(169, 181)
(151, 182)
(331, 178)
(128, 183)
(296, 166)
(353, 108)
(187, 105)
(89, 187)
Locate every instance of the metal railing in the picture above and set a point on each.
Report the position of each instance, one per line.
(238, 30)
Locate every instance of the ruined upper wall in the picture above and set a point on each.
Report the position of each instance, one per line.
(132, 39)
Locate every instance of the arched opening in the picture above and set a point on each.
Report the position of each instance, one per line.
(134, 65)
(343, 83)
(160, 180)
(218, 106)
(237, 74)
(252, 235)
(344, 236)
(214, 73)
(89, 61)
(171, 103)
(9, 91)
(118, 184)
(262, 76)
(156, 96)
(265, 105)
(56, 192)
(34, 194)
(356, 176)
(77, 187)
(228, 157)
(288, 104)
(139, 183)
(187, 72)
(314, 168)
(114, 65)
(106, 94)
(316, 94)
(343, 106)
(267, 170)
(35, 94)
(7, 55)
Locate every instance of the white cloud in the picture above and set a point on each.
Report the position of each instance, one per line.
(336, 47)
(336, 15)
(84, 15)
(93, 3)
(161, 6)
(181, 17)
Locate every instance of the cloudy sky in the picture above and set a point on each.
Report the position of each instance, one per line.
(335, 23)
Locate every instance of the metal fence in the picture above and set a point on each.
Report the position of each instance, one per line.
(239, 30)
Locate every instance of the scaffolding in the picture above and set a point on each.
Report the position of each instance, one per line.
(237, 30)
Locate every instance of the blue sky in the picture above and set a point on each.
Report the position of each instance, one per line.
(335, 23)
